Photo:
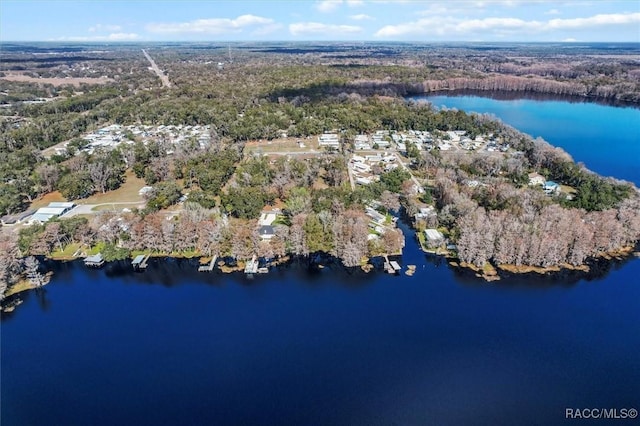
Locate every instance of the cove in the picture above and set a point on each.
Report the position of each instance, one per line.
(605, 138)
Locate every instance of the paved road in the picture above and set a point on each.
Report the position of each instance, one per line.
(163, 77)
(88, 208)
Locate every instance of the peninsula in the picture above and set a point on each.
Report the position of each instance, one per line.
(320, 155)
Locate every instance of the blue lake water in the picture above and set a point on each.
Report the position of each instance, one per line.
(605, 138)
(298, 347)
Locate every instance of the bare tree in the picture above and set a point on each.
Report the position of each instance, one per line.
(390, 201)
(100, 173)
(32, 272)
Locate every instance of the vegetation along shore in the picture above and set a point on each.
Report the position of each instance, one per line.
(318, 155)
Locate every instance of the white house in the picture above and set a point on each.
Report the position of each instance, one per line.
(361, 142)
(45, 214)
(434, 237)
(361, 167)
(329, 140)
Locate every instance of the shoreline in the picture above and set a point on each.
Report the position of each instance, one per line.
(490, 272)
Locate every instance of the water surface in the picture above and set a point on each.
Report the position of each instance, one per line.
(605, 138)
(174, 346)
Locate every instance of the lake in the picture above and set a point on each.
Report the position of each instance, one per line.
(300, 347)
(605, 138)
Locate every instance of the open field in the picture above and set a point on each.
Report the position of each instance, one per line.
(128, 192)
(46, 199)
(74, 81)
(284, 146)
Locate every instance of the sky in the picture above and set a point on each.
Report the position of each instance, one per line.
(302, 20)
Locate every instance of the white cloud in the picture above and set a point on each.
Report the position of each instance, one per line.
(453, 26)
(105, 28)
(213, 25)
(552, 12)
(331, 5)
(595, 21)
(317, 28)
(110, 37)
(569, 40)
(362, 17)
(328, 5)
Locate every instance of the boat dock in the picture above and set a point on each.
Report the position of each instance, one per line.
(392, 267)
(140, 262)
(95, 261)
(251, 266)
(208, 267)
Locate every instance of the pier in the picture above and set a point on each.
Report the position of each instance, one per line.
(140, 262)
(208, 267)
(392, 267)
(252, 265)
(95, 261)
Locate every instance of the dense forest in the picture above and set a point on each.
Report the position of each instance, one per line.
(267, 91)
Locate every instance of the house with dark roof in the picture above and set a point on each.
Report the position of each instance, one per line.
(266, 232)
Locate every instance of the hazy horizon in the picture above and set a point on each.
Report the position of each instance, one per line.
(328, 20)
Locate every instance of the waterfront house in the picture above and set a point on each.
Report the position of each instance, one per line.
(375, 215)
(266, 232)
(433, 237)
(425, 212)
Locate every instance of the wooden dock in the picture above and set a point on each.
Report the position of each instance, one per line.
(209, 267)
(252, 265)
(140, 262)
(392, 267)
(95, 261)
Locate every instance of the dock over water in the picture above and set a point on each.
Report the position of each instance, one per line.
(140, 262)
(391, 266)
(94, 261)
(209, 267)
(251, 266)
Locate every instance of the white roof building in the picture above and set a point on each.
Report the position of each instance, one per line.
(329, 140)
(267, 219)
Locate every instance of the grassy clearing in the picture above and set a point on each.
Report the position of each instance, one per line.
(20, 286)
(566, 189)
(46, 199)
(66, 253)
(283, 145)
(128, 192)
